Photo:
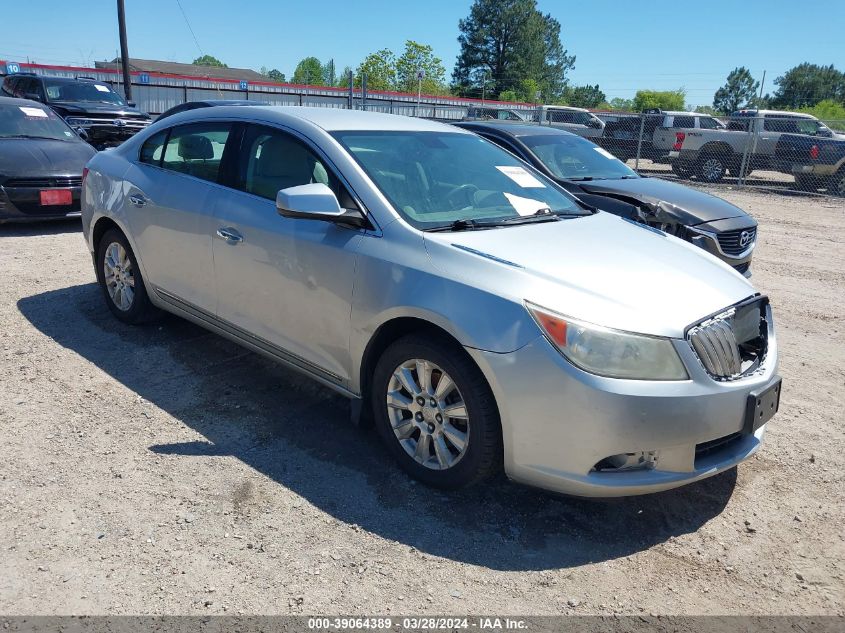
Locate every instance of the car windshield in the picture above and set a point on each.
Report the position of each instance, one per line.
(81, 91)
(434, 179)
(573, 158)
(32, 120)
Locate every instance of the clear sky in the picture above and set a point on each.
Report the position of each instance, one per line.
(621, 45)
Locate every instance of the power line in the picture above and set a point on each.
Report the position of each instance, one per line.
(185, 15)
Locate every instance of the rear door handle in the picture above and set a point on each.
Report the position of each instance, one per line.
(230, 235)
(138, 200)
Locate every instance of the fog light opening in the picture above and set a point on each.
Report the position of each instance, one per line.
(623, 462)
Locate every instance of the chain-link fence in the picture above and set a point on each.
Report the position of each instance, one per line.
(769, 149)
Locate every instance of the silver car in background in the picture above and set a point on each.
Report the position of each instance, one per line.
(479, 314)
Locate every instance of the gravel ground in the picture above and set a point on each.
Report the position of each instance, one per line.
(163, 469)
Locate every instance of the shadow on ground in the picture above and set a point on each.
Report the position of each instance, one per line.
(297, 433)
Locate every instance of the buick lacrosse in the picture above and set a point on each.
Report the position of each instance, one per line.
(478, 314)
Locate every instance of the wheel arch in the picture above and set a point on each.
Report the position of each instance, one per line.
(718, 148)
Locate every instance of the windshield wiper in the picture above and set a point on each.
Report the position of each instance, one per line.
(581, 179)
(36, 136)
(470, 224)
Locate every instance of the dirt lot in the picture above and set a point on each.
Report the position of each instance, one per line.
(165, 470)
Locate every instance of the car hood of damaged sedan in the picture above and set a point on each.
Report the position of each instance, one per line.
(601, 269)
(28, 158)
(688, 205)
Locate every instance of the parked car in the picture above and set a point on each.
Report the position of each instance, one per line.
(577, 120)
(750, 135)
(483, 315)
(492, 113)
(87, 105)
(209, 103)
(599, 179)
(623, 130)
(816, 163)
(41, 163)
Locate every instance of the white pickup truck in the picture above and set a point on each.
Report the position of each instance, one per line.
(750, 135)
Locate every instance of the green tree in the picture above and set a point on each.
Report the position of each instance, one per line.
(663, 99)
(509, 41)
(273, 74)
(329, 74)
(703, 109)
(418, 57)
(343, 77)
(209, 60)
(380, 68)
(739, 90)
(829, 111)
(309, 72)
(807, 84)
(618, 103)
(583, 96)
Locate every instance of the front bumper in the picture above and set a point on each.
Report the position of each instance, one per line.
(108, 132)
(20, 204)
(559, 422)
(707, 235)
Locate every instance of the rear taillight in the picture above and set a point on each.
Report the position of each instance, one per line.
(679, 141)
(814, 152)
(84, 175)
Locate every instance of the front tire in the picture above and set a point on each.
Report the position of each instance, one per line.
(121, 281)
(436, 413)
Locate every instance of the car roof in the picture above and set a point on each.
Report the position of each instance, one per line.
(563, 107)
(515, 129)
(329, 119)
(21, 102)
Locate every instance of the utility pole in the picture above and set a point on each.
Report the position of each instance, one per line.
(762, 83)
(420, 75)
(124, 50)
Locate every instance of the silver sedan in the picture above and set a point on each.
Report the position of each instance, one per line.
(472, 309)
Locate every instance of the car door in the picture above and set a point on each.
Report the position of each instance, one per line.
(169, 201)
(286, 282)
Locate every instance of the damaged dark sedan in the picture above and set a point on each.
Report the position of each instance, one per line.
(599, 179)
(41, 163)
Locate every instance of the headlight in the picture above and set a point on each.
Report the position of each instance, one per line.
(608, 352)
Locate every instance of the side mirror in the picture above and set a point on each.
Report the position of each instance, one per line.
(315, 202)
(131, 104)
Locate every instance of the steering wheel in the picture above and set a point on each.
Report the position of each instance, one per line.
(466, 190)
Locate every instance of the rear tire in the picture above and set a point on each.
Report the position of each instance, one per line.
(120, 280)
(804, 182)
(711, 168)
(836, 185)
(418, 382)
(681, 170)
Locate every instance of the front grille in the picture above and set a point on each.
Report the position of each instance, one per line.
(42, 183)
(736, 242)
(733, 343)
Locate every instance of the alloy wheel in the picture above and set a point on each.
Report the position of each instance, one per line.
(119, 276)
(428, 414)
(712, 169)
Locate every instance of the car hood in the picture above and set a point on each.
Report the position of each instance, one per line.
(92, 107)
(683, 204)
(601, 269)
(27, 158)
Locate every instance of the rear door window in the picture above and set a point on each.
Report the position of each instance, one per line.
(683, 122)
(197, 150)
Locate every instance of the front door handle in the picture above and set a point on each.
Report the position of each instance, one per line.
(230, 235)
(138, 200)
